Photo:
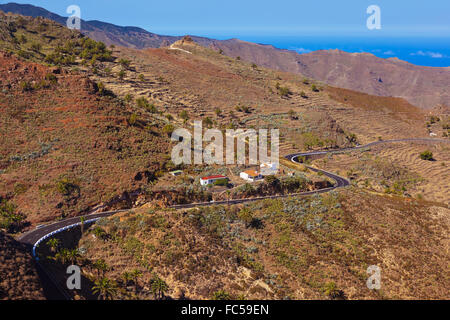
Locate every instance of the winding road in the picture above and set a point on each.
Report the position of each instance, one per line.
(36, 236)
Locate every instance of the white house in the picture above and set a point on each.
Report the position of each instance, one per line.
(211, 179)
(268, 169)
(251, 175)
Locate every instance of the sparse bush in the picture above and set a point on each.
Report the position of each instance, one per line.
(426, 155)
(168, 129)
(221, 295)
(26, 86)
(36, 46)
(184, 115)
(10, 220)
(125, 63)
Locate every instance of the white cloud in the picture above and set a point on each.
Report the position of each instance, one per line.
(302, 50)
(430, 54)
(389, 53)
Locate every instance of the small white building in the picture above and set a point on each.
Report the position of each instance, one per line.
(268, 169)
(432, 134)
(251, 175)
(211, 179)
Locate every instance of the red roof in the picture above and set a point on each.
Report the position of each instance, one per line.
(214, 177)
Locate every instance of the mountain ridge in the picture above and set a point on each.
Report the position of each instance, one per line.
(425, 87)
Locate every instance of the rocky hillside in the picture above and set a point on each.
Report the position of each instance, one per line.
(425, 87)
(67, 143)
(18, 277)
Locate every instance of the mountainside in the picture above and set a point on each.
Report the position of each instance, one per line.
(85, 126)
(18, 276)
(425, 87)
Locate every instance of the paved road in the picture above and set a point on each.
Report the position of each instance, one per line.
(32, 237)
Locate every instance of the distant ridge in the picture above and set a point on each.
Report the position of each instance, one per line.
(131, 37)
(425, 87)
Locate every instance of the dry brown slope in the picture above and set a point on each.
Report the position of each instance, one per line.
(66, 145)
(18, 277)
(421, 86)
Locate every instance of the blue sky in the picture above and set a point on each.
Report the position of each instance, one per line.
(232, 18)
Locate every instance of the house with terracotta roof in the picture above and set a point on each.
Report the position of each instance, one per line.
(211, 179)
(251, 175)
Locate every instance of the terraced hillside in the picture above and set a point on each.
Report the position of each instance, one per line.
(297, 248)
(67, 144)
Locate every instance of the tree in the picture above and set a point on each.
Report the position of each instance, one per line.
(128, 98)
(221, 295)
(53, 244)
(291, 114)
(246, 216)
(126, 277)
(105, 288)
(158, 287)
(184, 115)
(125, 63)
(82, 221)
(36, 46)
(208, 122)
(9, 219)
(101, 267)
(168, 129)
(136, 274)
(426, 155)
(272, 180)
(73, 255)
(62, 256)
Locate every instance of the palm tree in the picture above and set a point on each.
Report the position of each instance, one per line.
(105, 288)
(82, 220)
(62, 256)
(135, 274)
(101, 266)
(158, 287)
(53, 244)
(73, 255)
(126, 277)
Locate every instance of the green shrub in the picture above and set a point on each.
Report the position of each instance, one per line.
(10, 220)
(168, 129)
(426, 155)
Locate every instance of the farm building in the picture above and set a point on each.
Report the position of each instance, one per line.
(268, 169)
(251, 175)
(211, 179)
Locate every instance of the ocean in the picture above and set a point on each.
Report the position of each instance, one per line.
(432, 52)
